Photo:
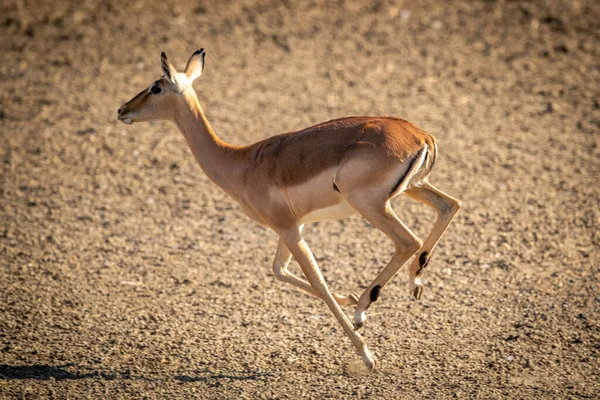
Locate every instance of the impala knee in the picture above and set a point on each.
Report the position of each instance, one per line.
(453, 206)
(410, 246)
(449, 207)
(457, 204)
(415, 245)
(280, 272)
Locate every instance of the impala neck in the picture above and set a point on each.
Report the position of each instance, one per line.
(220, 161)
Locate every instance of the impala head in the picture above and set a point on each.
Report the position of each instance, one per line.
(165, 95)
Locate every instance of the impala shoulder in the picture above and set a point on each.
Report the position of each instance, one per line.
(267, 148)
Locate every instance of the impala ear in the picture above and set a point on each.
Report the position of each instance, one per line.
(195, 65)
(167, 67)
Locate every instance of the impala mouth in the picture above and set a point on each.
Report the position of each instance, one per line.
(125, 119)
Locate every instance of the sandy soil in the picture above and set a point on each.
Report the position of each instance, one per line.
(125, 273)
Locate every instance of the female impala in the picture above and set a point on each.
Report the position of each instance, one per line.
(328, 171)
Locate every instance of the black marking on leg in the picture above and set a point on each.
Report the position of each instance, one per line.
(335, 187)
(423, 261)
(374, 295)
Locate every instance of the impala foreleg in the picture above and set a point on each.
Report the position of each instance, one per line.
(281, 272)
(446, 208)
(298, 247)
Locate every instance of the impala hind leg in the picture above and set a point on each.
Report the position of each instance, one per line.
(446, 208)
(281, 272)
(407, 244)
(298, 247)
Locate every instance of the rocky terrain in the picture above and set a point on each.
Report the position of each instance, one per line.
(125, 273)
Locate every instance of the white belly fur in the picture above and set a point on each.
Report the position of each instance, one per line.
(337, 211)
(317, 200)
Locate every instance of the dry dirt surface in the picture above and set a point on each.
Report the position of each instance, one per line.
(126, 274)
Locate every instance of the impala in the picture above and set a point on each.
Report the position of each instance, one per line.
(328, 171)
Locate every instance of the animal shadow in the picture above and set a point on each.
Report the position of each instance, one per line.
(45, 372)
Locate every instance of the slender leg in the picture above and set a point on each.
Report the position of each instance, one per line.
(298, 247)
(407, 244)
(446, 208)
(280, 269)
(366, 180)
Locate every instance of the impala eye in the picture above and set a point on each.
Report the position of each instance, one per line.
(155, 89)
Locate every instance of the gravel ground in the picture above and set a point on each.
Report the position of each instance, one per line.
(125, 273)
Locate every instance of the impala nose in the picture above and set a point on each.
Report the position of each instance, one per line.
(119, 111)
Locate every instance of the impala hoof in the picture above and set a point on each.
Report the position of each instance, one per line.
(362, 367)
(371, 364)
(352, 299)
(359, 320)
(417, 292)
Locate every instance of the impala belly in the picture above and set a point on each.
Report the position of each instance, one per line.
(317, 200)
(336, 211)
